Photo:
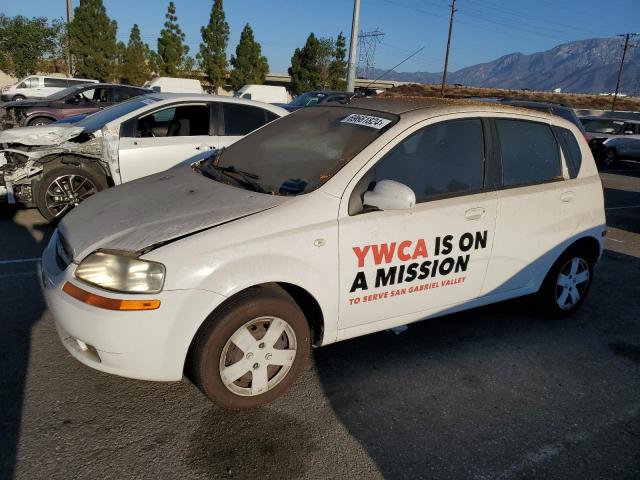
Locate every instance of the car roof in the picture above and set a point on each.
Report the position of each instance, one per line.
(433, 106)
(612, 119)
(167, 97)
(530, 103)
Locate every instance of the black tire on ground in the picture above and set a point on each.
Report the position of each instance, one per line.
(609, 157)
(573, 265)
(18, 98)
(86, 181)
(206, 353)
(37, 121)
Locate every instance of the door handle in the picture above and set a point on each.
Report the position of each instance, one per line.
(474, 213)
(566, 197)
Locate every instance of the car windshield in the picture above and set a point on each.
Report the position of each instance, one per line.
(603, 126)
(100, 119)
(298, 153)
(307, 99)
(66, 92)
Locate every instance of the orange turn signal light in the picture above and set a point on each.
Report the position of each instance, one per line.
(108, 303)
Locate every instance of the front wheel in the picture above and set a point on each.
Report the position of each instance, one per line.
(19, 98)
(567, 283)
(63, 188)
(39, 122)
(252, 350)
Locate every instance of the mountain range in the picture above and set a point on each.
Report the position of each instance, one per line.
(584, 66)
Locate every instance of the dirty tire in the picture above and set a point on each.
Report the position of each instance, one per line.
(552, 294)
(43, 200)
(213, 345)
(39, 121)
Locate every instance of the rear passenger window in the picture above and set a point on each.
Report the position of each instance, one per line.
(442, 159)
(242, 119)
(571, 150)
(55, 82)
(529, 152)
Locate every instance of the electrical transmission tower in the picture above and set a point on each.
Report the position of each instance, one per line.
(367, 43)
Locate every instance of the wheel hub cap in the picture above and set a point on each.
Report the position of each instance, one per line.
(66, 192)
(269, 340)
(572, 283)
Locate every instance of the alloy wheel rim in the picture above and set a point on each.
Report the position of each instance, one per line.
(609, 158)
(66, 192)
(572, 283)
(258, 356)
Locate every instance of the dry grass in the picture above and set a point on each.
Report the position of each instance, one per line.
(574, 100)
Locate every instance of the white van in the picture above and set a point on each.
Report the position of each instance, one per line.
(39, 86)
(322, 226)
(174, 85)
(263, 93)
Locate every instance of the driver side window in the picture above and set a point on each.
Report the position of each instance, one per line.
(439, 160)
(180, 121)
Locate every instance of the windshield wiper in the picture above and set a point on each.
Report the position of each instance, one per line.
(247, 178)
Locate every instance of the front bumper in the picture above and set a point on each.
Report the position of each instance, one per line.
(147, 345)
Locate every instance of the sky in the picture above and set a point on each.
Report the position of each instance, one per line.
(483, 29)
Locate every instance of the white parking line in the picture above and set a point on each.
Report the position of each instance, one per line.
(614, 240)
(19, 260)
(620, 208)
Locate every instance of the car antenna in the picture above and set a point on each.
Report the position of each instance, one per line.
(390, 70)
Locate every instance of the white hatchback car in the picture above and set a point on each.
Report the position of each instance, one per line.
(330, 223)
(55, 167)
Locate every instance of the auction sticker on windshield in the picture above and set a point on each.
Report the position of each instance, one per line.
(366, 121)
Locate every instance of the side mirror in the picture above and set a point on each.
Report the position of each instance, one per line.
(390, 195)
(75, 100)
(156, 89)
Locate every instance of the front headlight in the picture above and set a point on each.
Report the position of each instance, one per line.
(120, 272)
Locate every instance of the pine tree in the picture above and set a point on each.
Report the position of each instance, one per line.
(338, 67)
(135, 70)
(93, 41)
(305, 69)
(326, 53)
(213, 49)
(171, 47)
(249, 66)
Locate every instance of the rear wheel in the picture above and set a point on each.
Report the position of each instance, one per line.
(567, 283)
(63, 188)
(19, 98)
(252, 350)
(39, 121)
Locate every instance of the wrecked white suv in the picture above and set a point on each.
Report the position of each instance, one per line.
(57, 166)
(331, 223)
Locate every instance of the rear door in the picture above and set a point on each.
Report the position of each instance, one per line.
(164, 138)
(238, 120)
(534, 202)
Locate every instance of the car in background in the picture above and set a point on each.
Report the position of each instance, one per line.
(316, 98)
(55, 167)
(174, 85)
(264, 93)
(612, 138)
(39, 86)
(83, 99)
(559, 109)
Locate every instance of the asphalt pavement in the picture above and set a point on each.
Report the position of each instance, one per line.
(495, 393)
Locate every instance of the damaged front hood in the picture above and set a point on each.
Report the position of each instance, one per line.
(157, 209)
(40, 136)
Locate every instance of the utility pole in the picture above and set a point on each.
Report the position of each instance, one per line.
(624, 53)
(446, 56)
(353, 47)
(69, 20)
